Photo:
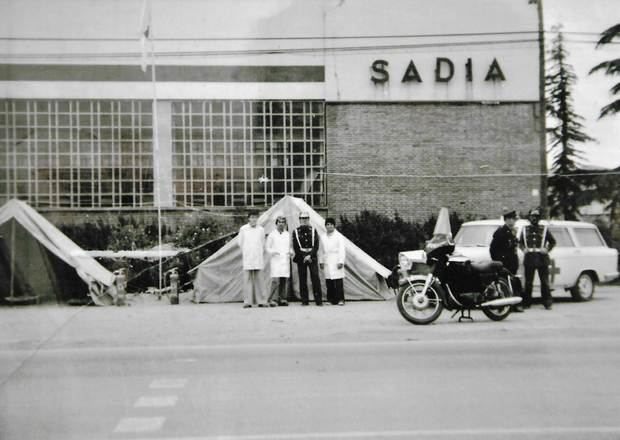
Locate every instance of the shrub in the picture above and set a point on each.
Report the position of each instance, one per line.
(383, 237)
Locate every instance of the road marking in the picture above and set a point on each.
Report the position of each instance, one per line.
(140, 424)
(156, 401)
(168, 383)
(448, 433)
(186, 360)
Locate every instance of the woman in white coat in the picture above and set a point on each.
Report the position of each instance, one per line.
(332, 256)
(279, 249)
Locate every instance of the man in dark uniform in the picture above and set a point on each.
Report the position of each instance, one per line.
(503, 248)
(536, 242)
(306, 247)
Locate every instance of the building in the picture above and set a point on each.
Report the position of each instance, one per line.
(404, 106)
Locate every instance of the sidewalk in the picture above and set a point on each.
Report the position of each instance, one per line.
(148, 322)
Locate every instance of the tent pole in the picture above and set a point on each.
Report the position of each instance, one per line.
(12, 279)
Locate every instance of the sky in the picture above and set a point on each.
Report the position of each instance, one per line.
(591, 91)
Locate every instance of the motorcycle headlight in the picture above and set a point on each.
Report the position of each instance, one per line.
(404, 262)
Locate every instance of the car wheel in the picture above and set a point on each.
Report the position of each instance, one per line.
(583, 290)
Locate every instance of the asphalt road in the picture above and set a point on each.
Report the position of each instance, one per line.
(359, 371)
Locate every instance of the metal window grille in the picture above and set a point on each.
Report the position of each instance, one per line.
(76, 153)
(247, 153)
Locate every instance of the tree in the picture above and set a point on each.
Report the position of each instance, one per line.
(564, 131)
(611, 68)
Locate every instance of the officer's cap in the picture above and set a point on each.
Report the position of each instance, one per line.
(510, 213)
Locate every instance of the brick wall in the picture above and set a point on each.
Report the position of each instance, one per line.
(428, 140)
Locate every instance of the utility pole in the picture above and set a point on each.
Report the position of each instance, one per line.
(543, 106)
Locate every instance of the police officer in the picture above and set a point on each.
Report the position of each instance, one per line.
(306, 246)
(536, 242)
(503, 248)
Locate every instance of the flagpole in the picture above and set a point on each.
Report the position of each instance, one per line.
(156, 162)
(147, 33)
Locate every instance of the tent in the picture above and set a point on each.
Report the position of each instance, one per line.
(219, 277)
(39, 262)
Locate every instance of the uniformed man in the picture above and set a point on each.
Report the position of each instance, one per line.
(536, 242)
(503, 248)
(306, 247)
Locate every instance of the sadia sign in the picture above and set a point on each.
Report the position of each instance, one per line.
(444, 71)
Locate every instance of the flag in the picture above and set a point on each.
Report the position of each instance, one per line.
(442, 227)
(145, 31)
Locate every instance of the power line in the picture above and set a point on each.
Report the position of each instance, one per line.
(274, 51)
(470, 176)
(296, 38)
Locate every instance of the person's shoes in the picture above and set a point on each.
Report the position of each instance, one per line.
(548, 305)
(304, 303)
(247, 306)
(319, 304)
(283, 303)
(341, 303)
(273, 304)
(263, 305)
(518, 309)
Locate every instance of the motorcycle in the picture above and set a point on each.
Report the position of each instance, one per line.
(454, 283)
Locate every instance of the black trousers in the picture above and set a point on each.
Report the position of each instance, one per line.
(302, 271)
(543, 274)
(335, 291)
(512, 266)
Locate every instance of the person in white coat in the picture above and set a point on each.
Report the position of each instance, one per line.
(278, 248)
(332, 256)
(251, 240)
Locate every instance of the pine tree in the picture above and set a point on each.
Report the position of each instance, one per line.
(564, 131)
(611, 68)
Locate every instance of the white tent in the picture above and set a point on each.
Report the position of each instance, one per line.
(219, 277)
(38, 259)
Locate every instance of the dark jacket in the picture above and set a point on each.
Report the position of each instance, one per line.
(532, 239)
(504, 248)
(305, 242)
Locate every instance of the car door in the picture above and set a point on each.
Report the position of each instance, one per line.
(566, 258)
(596, 255)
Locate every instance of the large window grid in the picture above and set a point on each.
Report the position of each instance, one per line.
(77, 154)
(247, 153)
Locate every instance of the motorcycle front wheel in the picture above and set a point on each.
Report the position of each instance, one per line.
(502, 290)
(418, 308)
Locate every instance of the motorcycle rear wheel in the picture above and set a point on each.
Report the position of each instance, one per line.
(417, 308)
(500, 313)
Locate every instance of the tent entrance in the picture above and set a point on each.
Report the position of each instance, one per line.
(30, 274)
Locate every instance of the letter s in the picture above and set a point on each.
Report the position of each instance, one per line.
(378, 66)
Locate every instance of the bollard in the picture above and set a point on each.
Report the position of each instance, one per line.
(120, 280)
(174, 286)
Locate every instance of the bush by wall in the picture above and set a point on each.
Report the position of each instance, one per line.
(383, 237)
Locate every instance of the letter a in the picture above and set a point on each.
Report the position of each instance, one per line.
(411, 74)
(495, 72)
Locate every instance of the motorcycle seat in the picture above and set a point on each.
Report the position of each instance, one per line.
(487, 266)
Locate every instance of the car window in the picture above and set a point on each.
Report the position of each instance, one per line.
(589, 237)
(475, 235)
(562, 237)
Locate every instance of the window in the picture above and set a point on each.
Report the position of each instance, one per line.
(76, 153)
(475, 235)
(247, 153)
(589, 237)
(562, 237)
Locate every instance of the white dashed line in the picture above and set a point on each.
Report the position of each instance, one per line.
(168, 383)
(582, 432)
(140, 424)
(156, 401)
